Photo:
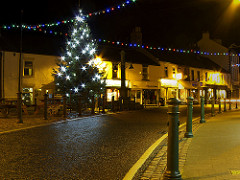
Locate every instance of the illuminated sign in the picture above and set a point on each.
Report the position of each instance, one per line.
(177, 76)
(116, 83)
(169, 82)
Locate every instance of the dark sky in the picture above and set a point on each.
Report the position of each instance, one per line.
(172, 23)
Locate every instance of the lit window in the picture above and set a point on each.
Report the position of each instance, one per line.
(27, 96)
(115, 71)
(28, 68)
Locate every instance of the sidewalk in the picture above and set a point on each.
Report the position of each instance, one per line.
(11, 122)
(212, 154)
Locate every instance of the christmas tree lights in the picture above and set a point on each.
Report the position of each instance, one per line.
(77, 72)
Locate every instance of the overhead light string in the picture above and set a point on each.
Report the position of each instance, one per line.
(71, 20)
(134, 45)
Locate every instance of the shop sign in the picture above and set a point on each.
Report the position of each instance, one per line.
(169, 83)
(116, 83)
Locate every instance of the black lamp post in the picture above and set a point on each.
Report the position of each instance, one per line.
(123, 92)
(19, 93)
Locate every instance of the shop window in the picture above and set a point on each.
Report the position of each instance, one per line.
(28, 68)
(150, 96)
(145, 72)
(27, 96)
(198, 75)
(192, 75)
(166, 71)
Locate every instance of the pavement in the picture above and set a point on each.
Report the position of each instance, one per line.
(212, 154)
(11, 123)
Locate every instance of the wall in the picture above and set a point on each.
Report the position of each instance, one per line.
(42, 72)
(10, 75)
(206, 44)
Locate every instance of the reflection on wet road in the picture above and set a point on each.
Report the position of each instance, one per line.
(103, 147)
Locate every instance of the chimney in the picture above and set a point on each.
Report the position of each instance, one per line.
(206, 35)
(136, 36)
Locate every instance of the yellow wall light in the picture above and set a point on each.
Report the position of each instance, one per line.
(236, 2)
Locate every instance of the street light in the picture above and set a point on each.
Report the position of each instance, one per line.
(236, 1)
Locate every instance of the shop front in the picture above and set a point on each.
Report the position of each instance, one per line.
(216, 91)
(113, 87)
(168, 89)
(150, 96)
(185, 90)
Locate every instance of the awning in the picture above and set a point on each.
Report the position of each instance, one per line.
(186, 85)
(216, 86)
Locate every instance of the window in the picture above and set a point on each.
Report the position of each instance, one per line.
(173, 70)
(198, 75)
(27, 96)
(28, 68)
(206, 76)
(114, 71)
(145, 72)
(166, 71)
(192, 75)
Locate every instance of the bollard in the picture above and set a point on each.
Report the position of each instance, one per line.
(103, 104)
(64, 106)
(225, 105)
(220, 106)
(172, 171)
(189, 133)
(45, 106)
(212, 109)
(230, 104)
(202, 120)
(236, 104)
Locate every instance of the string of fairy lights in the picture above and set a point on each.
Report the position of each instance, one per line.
(46, 29)
(58, 23)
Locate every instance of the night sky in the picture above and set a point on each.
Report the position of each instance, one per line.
(175, 23)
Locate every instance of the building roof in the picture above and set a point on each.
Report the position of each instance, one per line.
(132, 55)
(53, 45)
(190, 60)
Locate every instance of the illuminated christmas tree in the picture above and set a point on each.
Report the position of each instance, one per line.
(78, 72)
